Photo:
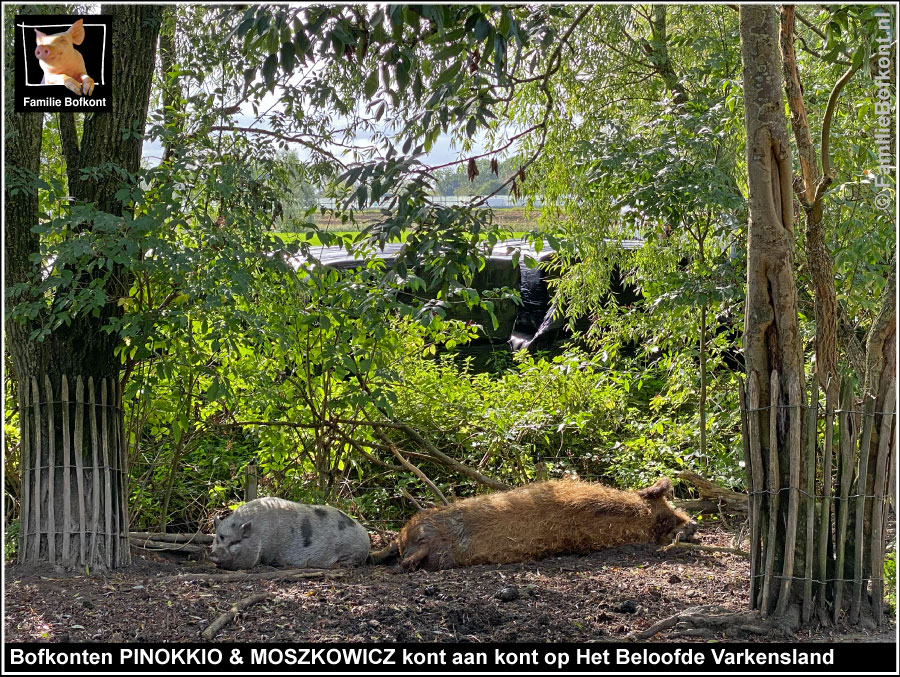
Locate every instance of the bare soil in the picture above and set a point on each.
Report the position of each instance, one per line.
(603, 596)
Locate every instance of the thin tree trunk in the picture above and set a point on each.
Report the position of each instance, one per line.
(771, 329)
(702, 402)
(818, 260)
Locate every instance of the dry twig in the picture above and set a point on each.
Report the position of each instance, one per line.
(225, 618)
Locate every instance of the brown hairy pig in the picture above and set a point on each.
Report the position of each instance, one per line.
(538, 520)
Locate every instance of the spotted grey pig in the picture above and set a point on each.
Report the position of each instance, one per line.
(279, 532)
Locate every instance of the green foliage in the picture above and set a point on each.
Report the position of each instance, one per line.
(890, 579)
(296, 181)
(610, 421)
(456, 182)
(11, 541)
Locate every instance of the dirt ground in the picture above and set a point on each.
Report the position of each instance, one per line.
(603, 596)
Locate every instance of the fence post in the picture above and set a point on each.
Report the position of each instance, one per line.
(847, 446)
(251, 481)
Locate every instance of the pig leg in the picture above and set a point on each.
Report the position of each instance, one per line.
(412, 559)
(71, 83)
(86, 86)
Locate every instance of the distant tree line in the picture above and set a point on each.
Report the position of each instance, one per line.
(455, 181)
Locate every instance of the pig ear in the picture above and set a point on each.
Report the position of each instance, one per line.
(216, 523)
(662, 487)
(76, 32)
(245, 529)
(40, 36)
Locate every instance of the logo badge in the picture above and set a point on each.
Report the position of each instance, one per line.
(63, 63)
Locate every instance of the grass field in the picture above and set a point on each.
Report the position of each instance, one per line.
(512, 219)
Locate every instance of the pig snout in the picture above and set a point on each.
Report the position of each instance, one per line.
(688, 533)
(43, 53)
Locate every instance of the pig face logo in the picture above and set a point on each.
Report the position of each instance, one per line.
(63, 63)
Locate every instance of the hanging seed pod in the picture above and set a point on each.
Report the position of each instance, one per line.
(472, 170)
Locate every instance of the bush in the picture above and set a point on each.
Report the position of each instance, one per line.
(890, 578)
(11, 541)
(571, 415)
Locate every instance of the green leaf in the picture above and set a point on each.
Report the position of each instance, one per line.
(482, 29)
(371, 84)
(448, 74)
(287, 57)
(268, 69)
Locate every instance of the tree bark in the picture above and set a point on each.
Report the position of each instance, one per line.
(771, 329)
(22, 145)
(880, 384)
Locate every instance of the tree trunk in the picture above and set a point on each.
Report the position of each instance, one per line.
(78, 445)
(772, 348)
(814, 184)
(880, 385)
(780, 445)
(657, 51)
(171, 91)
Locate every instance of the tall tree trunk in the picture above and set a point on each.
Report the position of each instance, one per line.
(812, 194)
(880, 386)
(57, 457)
(171, 90)
(772, 348)
(22, 144)
(810, 189)
(657, 51)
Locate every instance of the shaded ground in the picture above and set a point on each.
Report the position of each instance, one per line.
(602, 596)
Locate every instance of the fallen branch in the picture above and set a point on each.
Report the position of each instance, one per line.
(696, 505)
(707, 548)
(156, 546)
(287, 575)
(726, 501)
(452, 462)
(414, 470)
(226, 618)
(203, 539)
(433, 452)
(705, 621)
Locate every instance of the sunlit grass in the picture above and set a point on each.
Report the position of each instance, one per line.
(342, 236)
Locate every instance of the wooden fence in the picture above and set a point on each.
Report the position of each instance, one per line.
(74, 483)
(829, 480)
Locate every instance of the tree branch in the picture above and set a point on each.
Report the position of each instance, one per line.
(68, 138)
(291, 139)
(811, 26)
(826, 126)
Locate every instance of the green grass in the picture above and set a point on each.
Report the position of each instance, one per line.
(314, 239)
(513, 218)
